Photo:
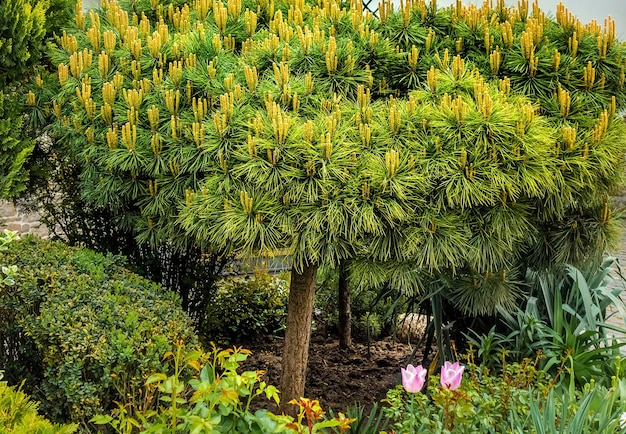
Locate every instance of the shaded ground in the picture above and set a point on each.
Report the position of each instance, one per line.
(338, 378)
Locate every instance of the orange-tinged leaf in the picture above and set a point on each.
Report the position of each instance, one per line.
(194, 364)
(168, 354)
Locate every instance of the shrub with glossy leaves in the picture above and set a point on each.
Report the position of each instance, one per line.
(83, 330)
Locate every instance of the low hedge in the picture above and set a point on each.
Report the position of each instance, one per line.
(82, 330)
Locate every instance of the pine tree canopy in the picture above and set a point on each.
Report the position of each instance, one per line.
(464, 144)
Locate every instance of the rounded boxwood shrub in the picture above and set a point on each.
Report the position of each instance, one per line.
(83, 330)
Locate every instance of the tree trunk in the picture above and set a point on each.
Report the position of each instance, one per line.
(345, 314)
(297, 337)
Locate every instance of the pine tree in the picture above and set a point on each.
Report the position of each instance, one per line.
(459, 146)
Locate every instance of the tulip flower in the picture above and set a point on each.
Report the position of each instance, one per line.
(451, 374)
(413, 378)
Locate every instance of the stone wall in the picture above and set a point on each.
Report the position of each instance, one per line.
(15, 220)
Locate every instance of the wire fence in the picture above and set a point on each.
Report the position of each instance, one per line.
(371, 6)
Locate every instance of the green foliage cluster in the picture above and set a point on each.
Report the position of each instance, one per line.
(373, 422)
(22, 29)
(14, 148)
(215, 399)
(596, 409)
(566, 320)
(520, 399)
(58, 16)
(18, 414)
(25, 28)
(243, 308)
(8, 270)
(303, 128)
(83, 330)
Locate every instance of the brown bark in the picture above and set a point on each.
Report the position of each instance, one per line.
(297, 337)
(345, 314)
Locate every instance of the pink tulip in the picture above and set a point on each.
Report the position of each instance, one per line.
(413, 378)
(451, 374)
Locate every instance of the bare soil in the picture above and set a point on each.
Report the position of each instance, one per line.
(338, 378)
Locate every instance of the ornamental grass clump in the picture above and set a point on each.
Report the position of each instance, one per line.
(460, 146)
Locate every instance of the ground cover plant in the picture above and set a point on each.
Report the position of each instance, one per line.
(487, 143)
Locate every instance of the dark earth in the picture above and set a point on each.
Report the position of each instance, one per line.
(338, 378)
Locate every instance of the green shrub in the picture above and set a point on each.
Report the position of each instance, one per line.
(243, 308)
(18, 414)
(22, 27)
(95, 330)
(14, 148)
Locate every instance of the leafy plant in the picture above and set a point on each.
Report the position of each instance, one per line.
(22, 27)
(18, 414)
(568, 322)
(83, 330)
(25, 28)
(373, 422)
(246, 307)
(14, 148)
(8, 271)
(597, 409)
(215, 399)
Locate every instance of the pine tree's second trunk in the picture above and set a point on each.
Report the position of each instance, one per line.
(297, 337)
(345, 314)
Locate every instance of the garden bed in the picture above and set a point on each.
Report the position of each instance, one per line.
(338, 378)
